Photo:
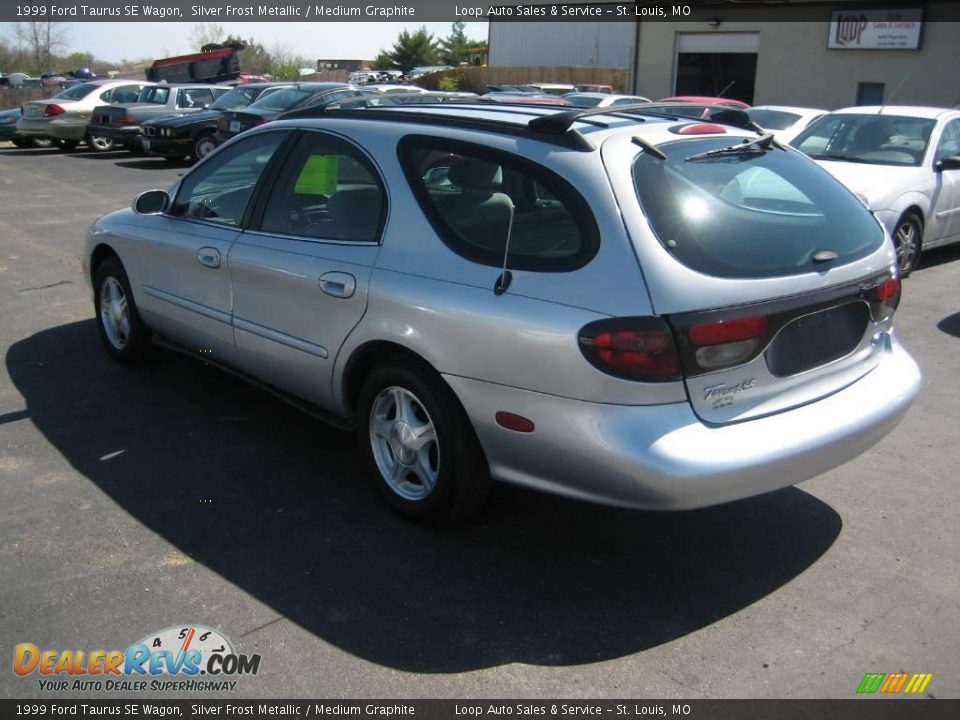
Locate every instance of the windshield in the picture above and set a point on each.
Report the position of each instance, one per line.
(77, 92)
(156, 95)
(872, 139)
(584, 101)
(237, 98)
(772, 119)
(756, 213)
(282, 99)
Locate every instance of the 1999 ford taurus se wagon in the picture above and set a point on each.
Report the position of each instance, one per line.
(624, 307)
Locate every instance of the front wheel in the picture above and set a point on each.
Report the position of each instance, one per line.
(124, 334)
(203, 146)
(99, 143)
(907, 240)
(42, 142)
(418, 443)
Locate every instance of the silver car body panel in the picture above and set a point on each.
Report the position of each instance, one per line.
(73, 123)
(598, 437)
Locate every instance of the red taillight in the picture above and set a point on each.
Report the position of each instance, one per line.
(728, 330)
(259, 121)
(127, 120)
(639, 348)
(887, 289)
(222, 124)
(53, 109)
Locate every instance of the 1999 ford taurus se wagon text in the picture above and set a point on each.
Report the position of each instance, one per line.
(611, 304)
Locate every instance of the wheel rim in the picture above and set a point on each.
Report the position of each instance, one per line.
(205, 146)
(101, 143)
(43, 142)
(115, 313)
(404, 443)
(906, 237)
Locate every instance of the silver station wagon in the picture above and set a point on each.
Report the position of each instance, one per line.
(611, 304)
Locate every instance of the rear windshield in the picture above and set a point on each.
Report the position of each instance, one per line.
(750, 214)
(237, 98)
(772, 119)
(77, 92)
(282, 99)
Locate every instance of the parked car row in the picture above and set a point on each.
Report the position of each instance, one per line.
(405, 270)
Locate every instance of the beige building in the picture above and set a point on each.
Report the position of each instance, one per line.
(826, 55)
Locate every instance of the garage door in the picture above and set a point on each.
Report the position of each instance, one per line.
(717, 64)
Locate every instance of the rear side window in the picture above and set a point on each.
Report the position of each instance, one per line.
(476, 198)
(327, 190)
(750, 214)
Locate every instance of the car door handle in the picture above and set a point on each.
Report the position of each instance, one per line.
(208, 257)
(338, 284)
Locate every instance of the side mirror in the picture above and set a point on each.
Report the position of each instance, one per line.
(151, 202)
(948, 163)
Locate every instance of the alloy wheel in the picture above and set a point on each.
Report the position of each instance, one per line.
(115, 313)
(404, 443)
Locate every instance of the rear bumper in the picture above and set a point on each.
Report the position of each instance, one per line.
(56, 129)
(662, 457)
(123, 134)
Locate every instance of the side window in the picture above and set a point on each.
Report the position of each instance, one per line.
(194, 98)
(125, 94)
(219, 190)
(327, 190)
(476, 198)
(949, 141)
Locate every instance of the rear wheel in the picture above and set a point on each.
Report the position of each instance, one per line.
(99, 143)
(124, 335)
(203, 146)
(907, 240)
(418, 443)
(42, 142)
(67, 145)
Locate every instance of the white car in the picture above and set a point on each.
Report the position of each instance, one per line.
(784, 121)
(596, 99)
(903, 162)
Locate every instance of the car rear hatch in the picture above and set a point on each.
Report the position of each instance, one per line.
(777, 283)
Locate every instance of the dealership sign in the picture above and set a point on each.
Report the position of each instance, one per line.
(875, 29)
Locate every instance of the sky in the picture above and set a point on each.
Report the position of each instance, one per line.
(113, 41)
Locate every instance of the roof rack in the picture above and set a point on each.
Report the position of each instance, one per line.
(569, 139)
(561, 122)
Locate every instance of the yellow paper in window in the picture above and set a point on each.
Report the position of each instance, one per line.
(318, 176)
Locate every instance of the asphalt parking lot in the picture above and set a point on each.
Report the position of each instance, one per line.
(133, 500)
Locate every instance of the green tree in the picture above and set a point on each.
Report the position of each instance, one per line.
(384, 61)
(413, 49)
(454, 49)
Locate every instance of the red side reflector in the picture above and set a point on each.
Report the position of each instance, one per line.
(517, 423)
(702, 129)
(728, 330)
(887, 289)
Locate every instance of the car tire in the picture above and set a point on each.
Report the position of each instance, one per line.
(907, 239)
(123, 333)
(203, 146)
(21, 142)
(41, 142)
(99, 143)
(67, 145)
(419, 445)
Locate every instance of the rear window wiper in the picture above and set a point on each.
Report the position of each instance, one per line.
(750, 147)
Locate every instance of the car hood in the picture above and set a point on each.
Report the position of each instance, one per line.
(200, 118)
(15, 112)
(878, 184)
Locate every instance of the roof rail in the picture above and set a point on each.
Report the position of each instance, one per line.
(561, 122)
(569, 139)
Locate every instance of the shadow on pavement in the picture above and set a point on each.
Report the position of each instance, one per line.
(290, 520)
(950, 324)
